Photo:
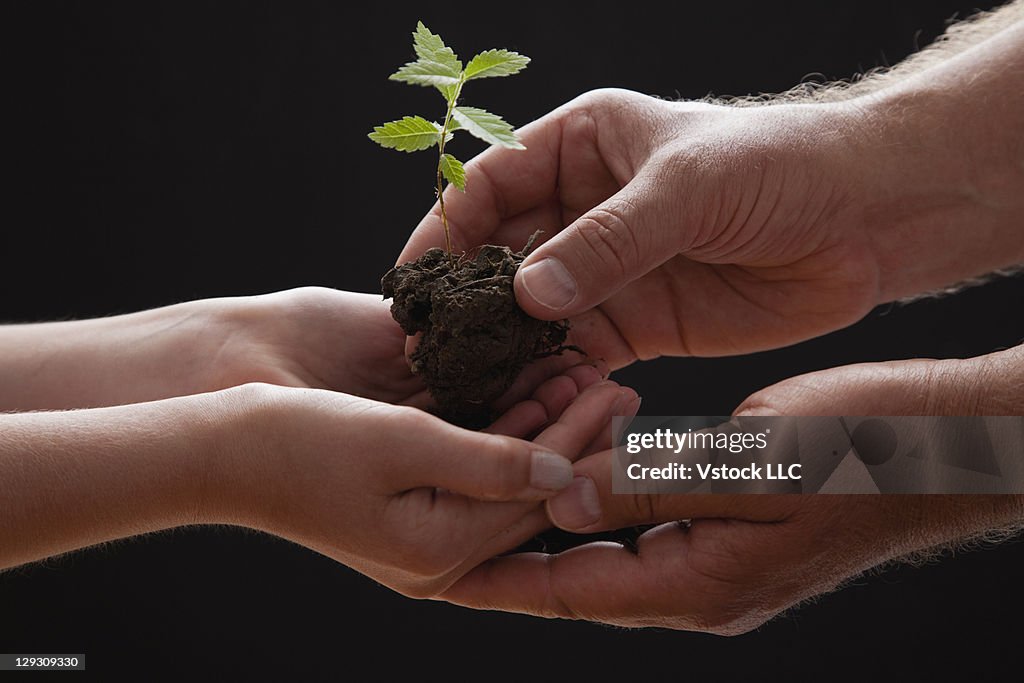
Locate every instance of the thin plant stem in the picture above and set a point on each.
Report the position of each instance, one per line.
(440, 184)
(444, 217)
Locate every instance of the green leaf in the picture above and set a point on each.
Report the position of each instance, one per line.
(487, 126)
(493, 63)
(422, 72)
(437, 65)
(430, 48)
(408, 134)
(453, 171)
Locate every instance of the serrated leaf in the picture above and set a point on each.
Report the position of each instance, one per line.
(430, 48)
(494, 63)
(422, 72)
(453, 171)
(487, 126)
(408, 134)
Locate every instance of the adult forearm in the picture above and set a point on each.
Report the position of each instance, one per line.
(77, 478)
(945, 159)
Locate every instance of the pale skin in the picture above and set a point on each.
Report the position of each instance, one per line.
(684, 228)
(320, 442)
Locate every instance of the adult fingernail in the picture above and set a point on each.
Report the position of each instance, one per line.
(626, 396)
(632, 408)
(549, 471)
(549, 283)
(577, 507)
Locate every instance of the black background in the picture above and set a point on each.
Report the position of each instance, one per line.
(157, 152)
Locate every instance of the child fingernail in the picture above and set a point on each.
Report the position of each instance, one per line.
(549, 471)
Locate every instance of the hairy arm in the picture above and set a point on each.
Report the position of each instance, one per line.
(712, 228)
(949, 188)
(918, 174)
(938, 140)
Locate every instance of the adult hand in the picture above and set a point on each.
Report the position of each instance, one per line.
(664, 224)
(684, 228)
(744, 558)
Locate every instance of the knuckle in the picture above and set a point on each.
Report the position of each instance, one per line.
(555, 604)
(613, 100)
(1001, 381)
(604, 97)
(506, 473)
(950, 387)
(825, 390)
(640, 507)
(613, 108)
(609, 240)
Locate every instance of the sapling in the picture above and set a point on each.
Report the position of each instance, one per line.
(437, 66)
(474, 337)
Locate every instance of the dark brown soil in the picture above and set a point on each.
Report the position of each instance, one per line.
(476, 339)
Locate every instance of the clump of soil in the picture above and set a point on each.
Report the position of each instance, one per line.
(476, 339)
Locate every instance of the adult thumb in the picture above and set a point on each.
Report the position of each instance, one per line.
(985, 385)
(628, 235)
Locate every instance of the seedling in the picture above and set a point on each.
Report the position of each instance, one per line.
(437, 66)
(473, 337)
